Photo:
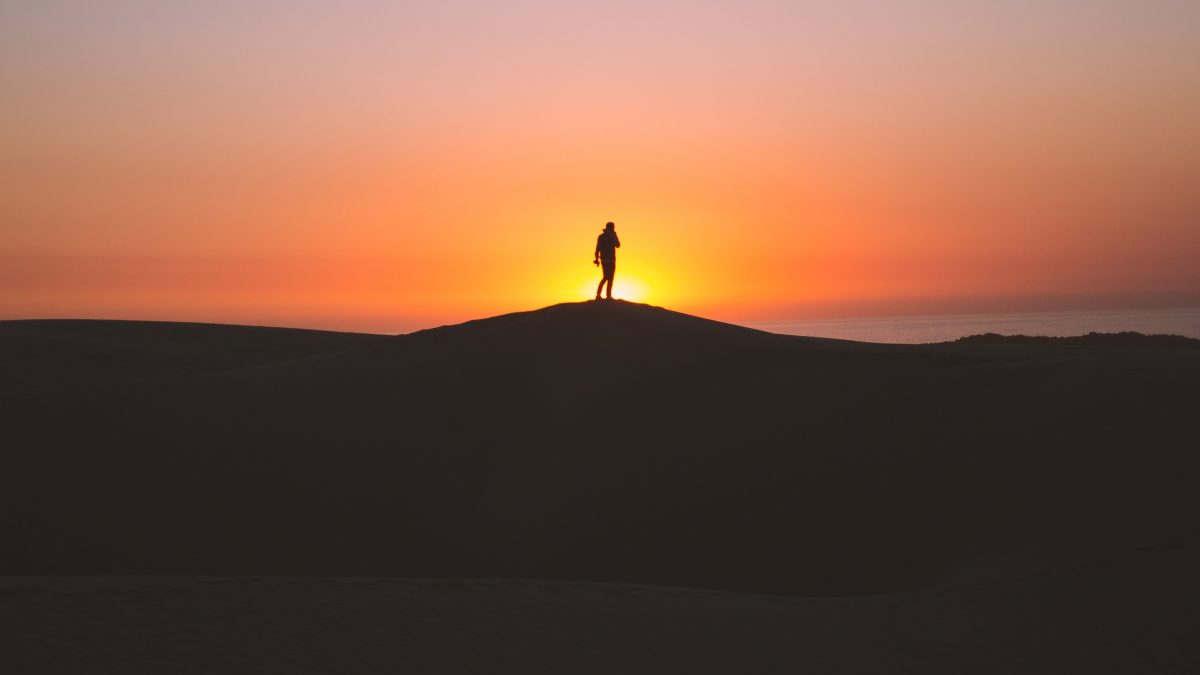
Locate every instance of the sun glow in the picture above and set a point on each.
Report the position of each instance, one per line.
(624, 288)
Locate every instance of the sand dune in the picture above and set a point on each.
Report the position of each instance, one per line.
(901, 507)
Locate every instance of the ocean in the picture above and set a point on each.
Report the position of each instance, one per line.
(921, 329)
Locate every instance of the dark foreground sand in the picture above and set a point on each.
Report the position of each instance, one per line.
(672, 494)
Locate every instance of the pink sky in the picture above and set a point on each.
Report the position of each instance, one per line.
(384, 166)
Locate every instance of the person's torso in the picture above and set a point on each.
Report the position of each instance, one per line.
(607, 243)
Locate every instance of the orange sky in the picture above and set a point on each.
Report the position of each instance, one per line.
(387, 166)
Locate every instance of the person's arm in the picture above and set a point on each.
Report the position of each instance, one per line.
(616, 240)
(596, 253)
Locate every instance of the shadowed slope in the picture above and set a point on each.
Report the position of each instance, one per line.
(62, 353)
(610, 442)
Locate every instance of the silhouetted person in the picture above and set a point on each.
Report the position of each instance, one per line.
(606, 256)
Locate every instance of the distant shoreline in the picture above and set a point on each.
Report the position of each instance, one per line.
(1184, 322)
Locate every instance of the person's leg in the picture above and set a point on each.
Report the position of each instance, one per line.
(609, 272)
(599, 287)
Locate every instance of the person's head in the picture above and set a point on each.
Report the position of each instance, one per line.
(608, 227)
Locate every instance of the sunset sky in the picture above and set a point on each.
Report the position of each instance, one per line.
(385, 166)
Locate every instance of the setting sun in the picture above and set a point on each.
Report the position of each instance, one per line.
(630, 289)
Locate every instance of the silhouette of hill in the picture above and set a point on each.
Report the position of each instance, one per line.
(56, 353)
(620, 445)
(1122, 339)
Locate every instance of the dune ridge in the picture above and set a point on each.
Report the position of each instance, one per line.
(1122, 339)
(613, 443)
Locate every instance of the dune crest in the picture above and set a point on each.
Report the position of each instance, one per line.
(601, 441)
(939, 504)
